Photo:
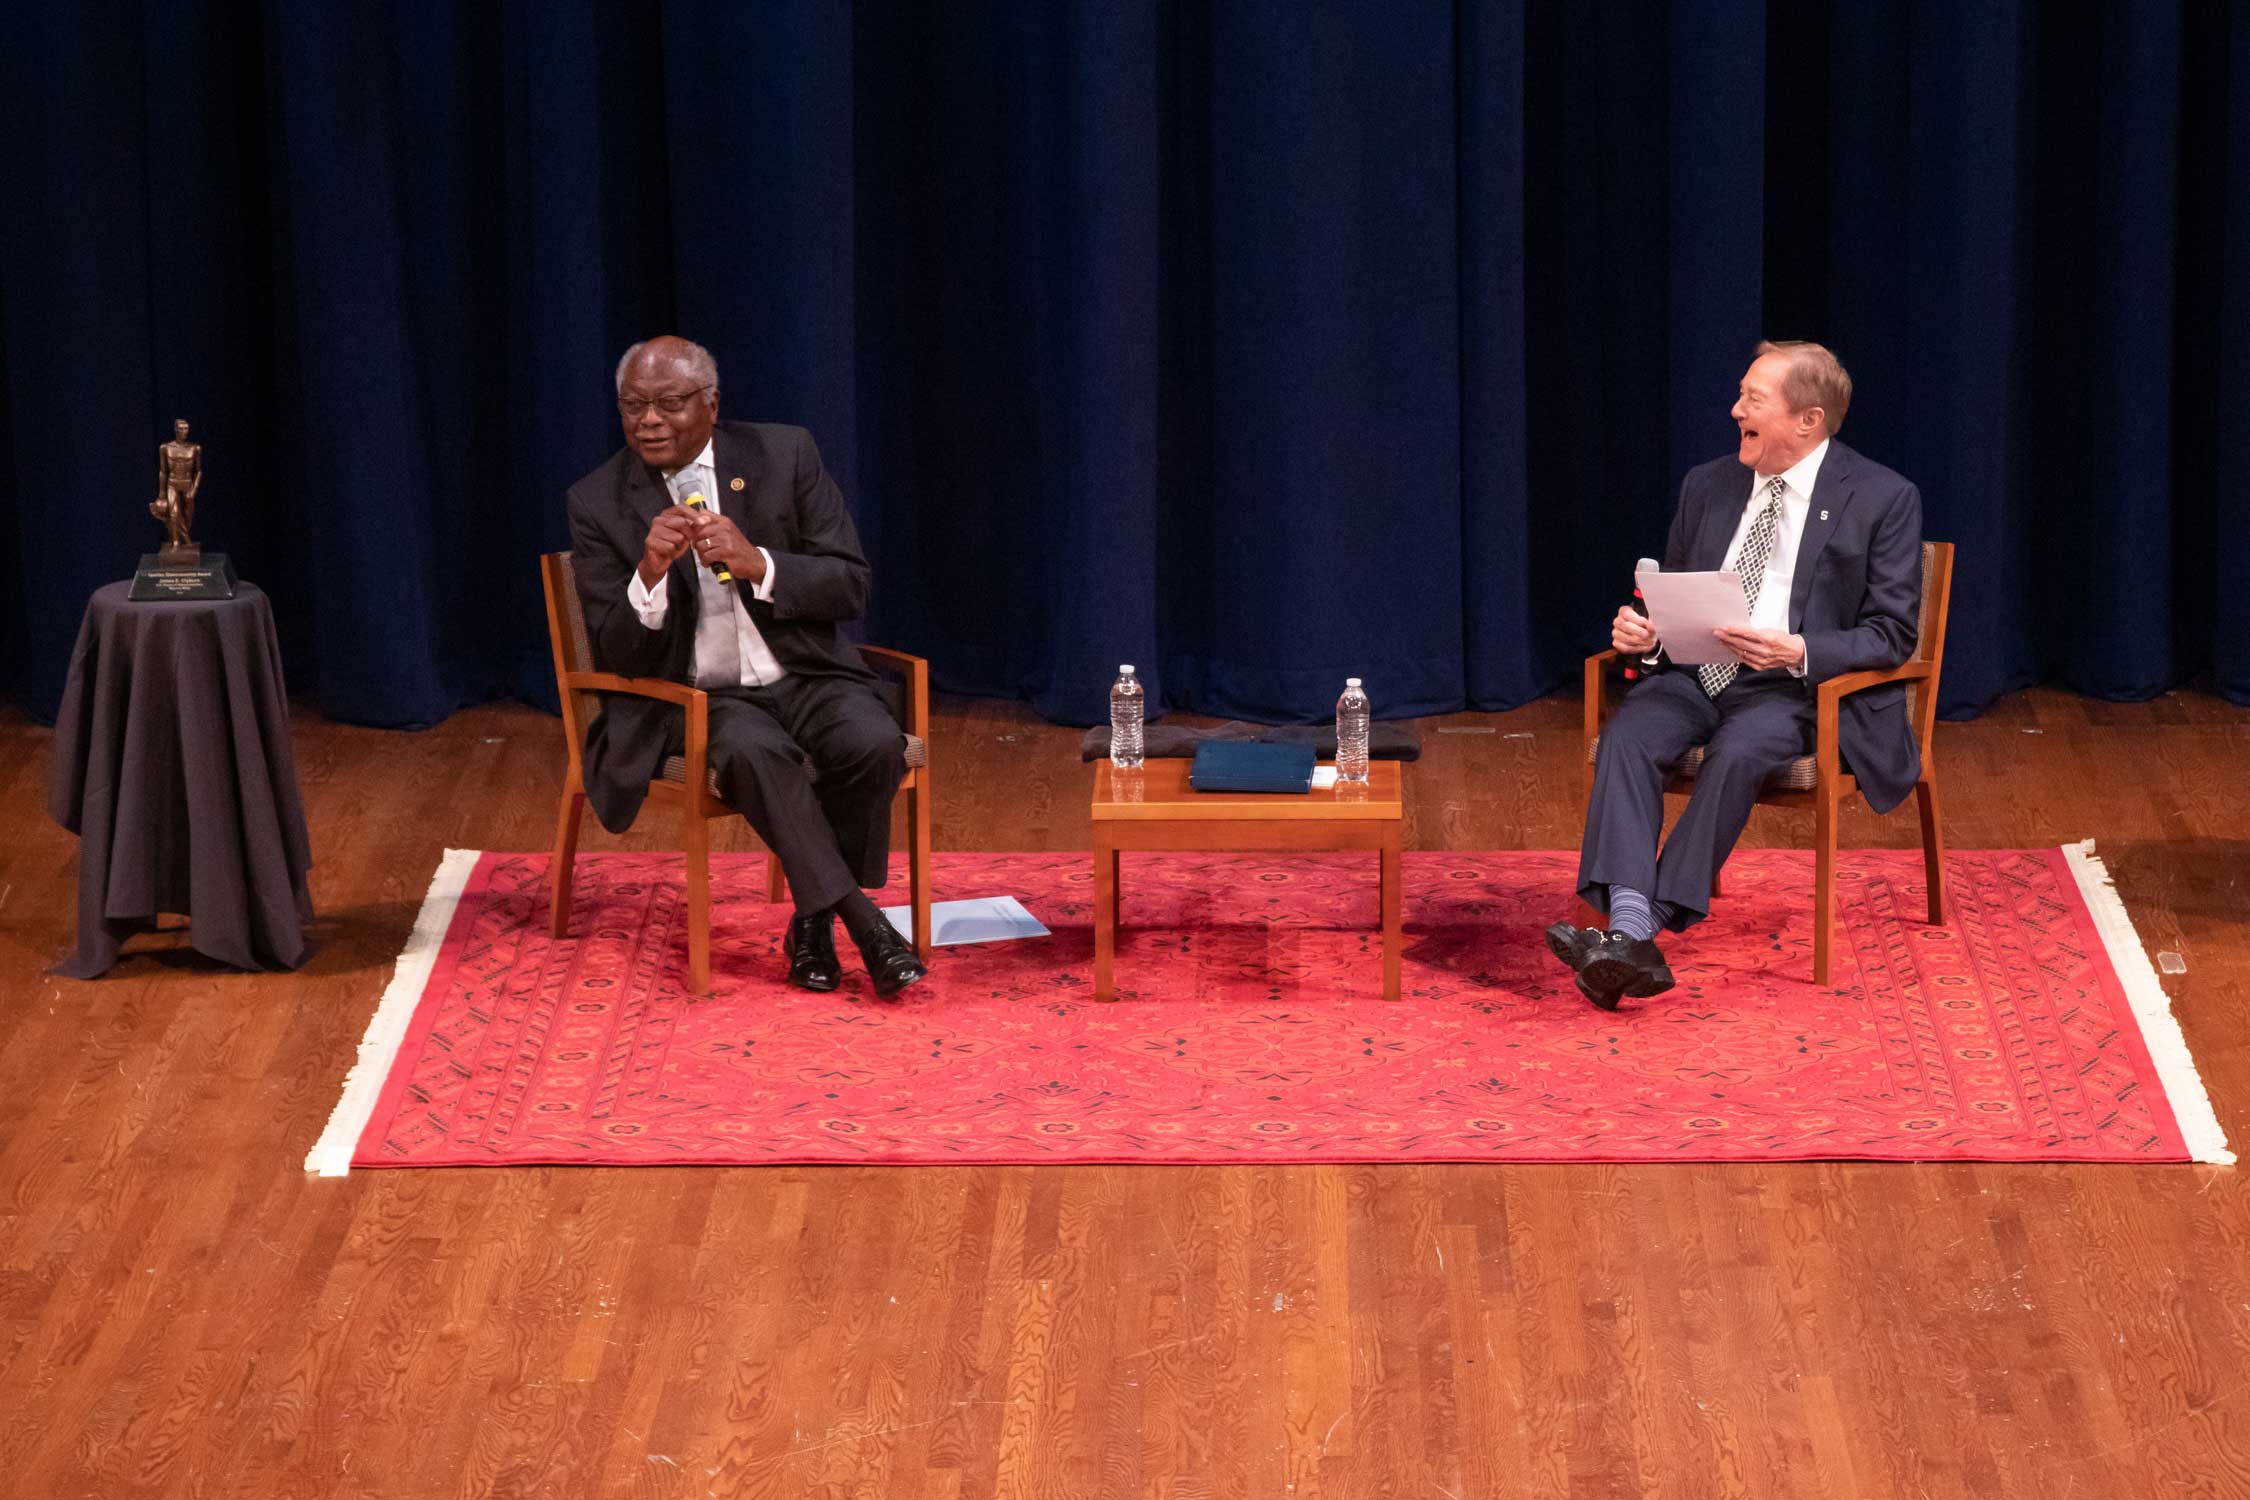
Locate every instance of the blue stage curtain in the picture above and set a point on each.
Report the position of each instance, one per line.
(1259, 344)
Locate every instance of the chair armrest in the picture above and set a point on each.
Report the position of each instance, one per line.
(1838, 688)
(696, 752)
(897, 661)
(1832, 693)
(916, 671)
(640, 687)
(1596, 667)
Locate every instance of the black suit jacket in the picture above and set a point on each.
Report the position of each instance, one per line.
(787, 505)
(1856, 597)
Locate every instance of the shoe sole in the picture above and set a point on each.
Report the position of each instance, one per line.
(825, 988)
(1608, 976)
(1558, 947)
(1650, 984)
(1614, 976)
(1602, 1000)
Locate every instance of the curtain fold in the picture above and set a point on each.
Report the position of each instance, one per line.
(1260, 344)
(2213, 461)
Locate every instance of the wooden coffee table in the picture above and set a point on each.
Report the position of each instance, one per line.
(1155, 808)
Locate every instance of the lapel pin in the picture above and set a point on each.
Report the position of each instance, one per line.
(735, 484)
(738, 485)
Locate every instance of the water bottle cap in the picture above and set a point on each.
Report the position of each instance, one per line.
(1351, 682)
(1124, 671)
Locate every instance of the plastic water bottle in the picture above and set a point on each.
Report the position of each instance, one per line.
(1128, 707)
(1351, 733)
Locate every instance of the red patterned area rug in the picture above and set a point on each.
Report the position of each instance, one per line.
(1251, 1024)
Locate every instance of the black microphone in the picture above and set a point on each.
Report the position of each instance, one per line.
(697, 502)
(1645, 565)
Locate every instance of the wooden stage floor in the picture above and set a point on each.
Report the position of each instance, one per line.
(183, 1312)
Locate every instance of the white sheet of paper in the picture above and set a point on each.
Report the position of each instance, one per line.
(1685, 608)
(1323, 776)
(989, 919)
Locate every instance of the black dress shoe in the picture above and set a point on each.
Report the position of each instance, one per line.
(811, 946)
(1620, 965)
(1573, 945)
(891, 961)
(1605, 999)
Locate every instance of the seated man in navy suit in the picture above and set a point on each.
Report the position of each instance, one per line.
(741, 595)
(1829, 545)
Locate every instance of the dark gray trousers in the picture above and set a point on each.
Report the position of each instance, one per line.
(832, 835)
(1760, 723)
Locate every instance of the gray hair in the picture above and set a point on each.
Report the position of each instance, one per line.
(700, 364)
(1816, 378)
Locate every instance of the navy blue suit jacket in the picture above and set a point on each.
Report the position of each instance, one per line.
(787, 505)
(1856, 598)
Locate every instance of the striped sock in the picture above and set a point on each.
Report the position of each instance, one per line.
(1630, 913)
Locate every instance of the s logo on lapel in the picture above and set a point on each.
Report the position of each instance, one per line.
(738, 485)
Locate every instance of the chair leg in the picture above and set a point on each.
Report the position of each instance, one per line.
(560, 868)
(777, 887)
(1105, 915)
(1587, 915)
(918, 864)
(1718, 883)
(1824, 882)
(698, 841)
(1933, 847)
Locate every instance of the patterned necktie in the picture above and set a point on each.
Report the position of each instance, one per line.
(1757, 551)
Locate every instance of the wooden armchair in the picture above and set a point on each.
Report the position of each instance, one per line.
(686, 781)
(1818, 780)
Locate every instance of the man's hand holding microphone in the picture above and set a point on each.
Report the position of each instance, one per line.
(716, 541)
(1630, 633)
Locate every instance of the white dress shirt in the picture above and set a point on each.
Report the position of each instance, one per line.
(758, 665)
(1771, 612)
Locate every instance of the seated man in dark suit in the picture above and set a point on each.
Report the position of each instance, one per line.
(741, 597)
(1829, 545)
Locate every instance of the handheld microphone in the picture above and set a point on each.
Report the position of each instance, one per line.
(1645, 565)
(697, 502)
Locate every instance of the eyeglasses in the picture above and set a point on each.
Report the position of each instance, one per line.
(632, 409)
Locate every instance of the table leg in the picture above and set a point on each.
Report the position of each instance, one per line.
(1393, 937)
(1105, 918)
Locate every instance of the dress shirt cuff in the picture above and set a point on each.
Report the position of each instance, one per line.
(650, 605)
(1802, 666)
(762, 590)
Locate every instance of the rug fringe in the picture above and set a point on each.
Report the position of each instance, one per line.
(2152, 1008)
(331, 1156)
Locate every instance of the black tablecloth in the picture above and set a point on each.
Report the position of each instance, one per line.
(172, 765)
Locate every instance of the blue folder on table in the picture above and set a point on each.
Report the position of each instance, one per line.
(1248, 766)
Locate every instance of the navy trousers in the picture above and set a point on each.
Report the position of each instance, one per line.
(831, 835)
(1759, 724)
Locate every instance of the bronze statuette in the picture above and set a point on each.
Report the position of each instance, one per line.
(179, 474)
(179, 569)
